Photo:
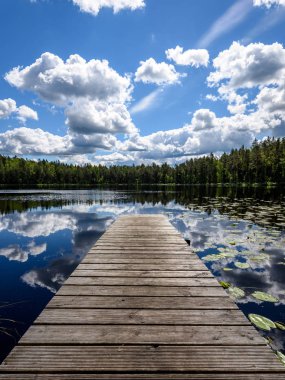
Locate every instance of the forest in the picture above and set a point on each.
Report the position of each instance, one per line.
(262, 163)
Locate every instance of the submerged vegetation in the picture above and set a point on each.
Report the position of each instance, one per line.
(263, 163)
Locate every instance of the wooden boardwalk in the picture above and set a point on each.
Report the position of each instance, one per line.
(141, 305)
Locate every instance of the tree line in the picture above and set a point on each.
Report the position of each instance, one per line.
(263, 162)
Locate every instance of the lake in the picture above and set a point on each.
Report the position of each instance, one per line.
(238, 232)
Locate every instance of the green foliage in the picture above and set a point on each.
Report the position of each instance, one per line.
(263, 163)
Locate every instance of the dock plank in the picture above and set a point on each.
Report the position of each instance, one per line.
(147, 281)
(178, 303)
(154, 291)
(142, 273)
(142, 316)
(147, 358)
(141, 305)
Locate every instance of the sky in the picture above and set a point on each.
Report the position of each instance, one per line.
(117, 82)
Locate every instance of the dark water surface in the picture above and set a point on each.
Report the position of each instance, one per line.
(44, 234)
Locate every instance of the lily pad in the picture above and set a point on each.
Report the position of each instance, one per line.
(261, 322)
(236, 292)
(247, 253)
(260, 257)
(225, 284)
(213, 257)
(228, 254)
(281, 357)
(262, 296)
(280, 325)
(240, 265)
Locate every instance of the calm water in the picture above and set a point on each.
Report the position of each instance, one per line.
(44, 234)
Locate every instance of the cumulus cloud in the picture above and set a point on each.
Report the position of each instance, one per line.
(162, 73)
(268, 3)
(32, 141)
(24, 113)
(27, 141)
(94, 98)
(203, 119)
(88, 143)
(89, 117)
(94, 6)
(191, 57)
(272, 100)
(205, 133)
(249, 66)
(61, 82)
(8, 107)
(256, 65)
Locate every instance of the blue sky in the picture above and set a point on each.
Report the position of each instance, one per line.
(132, 81)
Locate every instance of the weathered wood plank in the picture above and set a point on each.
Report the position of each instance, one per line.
(147, 358)
(147, 334)
(161, 291)
(151, 251)
(141, 259)
(141, 316)
(148, 281)
(140, 240)
(142, 273)
(113, 302)
(143, 267)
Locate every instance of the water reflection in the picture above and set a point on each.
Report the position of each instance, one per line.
(238, 232)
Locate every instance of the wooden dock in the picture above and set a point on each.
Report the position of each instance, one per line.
(141, 305)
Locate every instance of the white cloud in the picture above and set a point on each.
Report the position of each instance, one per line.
(93, 95)
(24, 113)
(249, 66)
(61, 82)
(233, 16)
(203, 119)
(268, 3)
(113, 158)
(212, 97)
(94, 6)
(272, 100)
(8, 107)
(205, 133)
(89, 117)
(162, 73)
(27, 141)
(88, 143)
(191, 57)
(147, 102)
(32, 141)
(256, 65)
